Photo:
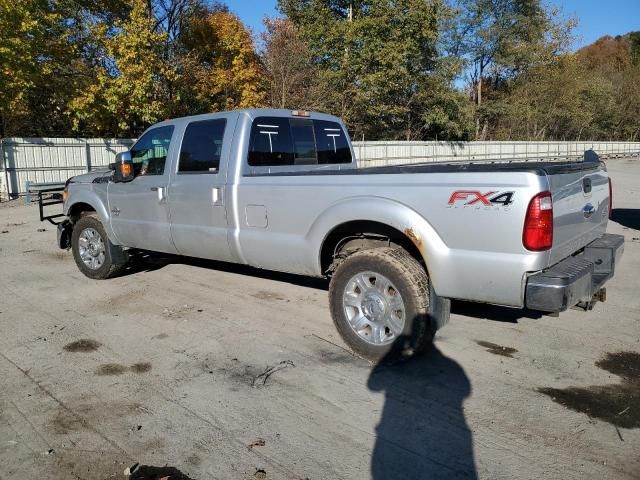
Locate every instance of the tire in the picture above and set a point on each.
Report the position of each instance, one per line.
(383, 304)
(94, 254)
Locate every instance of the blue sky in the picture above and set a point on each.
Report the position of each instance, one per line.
(596, 17)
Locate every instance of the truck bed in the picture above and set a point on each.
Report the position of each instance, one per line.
(539, 168)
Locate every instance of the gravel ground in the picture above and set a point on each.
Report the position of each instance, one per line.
(201, 370)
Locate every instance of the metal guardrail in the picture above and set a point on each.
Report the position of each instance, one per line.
(395, 153)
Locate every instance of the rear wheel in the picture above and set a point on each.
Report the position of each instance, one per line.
(94, 254)
(383, 305)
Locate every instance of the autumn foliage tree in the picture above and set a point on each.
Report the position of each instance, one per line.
(220, 64)
(402, 69)
(292, 78)
(40, 65)
(127, 92)
(614, 64)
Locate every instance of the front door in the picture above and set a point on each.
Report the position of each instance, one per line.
(197, 192)
(138, 209)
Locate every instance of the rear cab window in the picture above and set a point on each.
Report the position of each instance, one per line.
(282, 141)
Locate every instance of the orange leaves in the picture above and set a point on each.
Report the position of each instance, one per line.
(222, 64)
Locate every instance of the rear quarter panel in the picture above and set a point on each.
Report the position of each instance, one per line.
(472, 252)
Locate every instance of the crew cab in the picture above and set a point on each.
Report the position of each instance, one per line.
(281, 190)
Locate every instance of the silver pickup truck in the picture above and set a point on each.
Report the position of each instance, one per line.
(281, 190)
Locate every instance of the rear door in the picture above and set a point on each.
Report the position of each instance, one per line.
(138, 209)
(580, 195)
(197, 191)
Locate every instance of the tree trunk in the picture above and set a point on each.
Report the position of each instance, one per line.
(283, 98)
(479, 99)
(485, 127)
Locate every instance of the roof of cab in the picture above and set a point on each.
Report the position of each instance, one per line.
(251, 113)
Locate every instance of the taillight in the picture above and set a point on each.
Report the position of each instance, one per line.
(537, 234)
(610, 198)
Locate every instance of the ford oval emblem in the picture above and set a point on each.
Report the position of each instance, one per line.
(588, 210)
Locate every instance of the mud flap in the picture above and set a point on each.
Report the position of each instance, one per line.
(64, 234)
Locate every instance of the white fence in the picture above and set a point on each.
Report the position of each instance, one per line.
(52, 160)
(27, 161)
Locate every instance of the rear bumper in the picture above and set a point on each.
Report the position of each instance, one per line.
(575, 279)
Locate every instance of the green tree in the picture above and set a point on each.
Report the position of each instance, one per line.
(503, 39)
(551, 102)
(378, 61)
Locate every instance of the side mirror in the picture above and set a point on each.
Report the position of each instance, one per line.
(123, 168)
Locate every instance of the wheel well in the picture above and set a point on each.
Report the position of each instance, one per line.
(360, 235)
(78, 209)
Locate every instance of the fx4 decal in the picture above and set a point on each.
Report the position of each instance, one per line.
(479, 199)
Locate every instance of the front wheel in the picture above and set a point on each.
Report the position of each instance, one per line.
(94, 254)
(383, 305)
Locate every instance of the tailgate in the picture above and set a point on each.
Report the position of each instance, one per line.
(580, 194)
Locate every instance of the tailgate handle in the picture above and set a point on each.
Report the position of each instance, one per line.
(586, 185)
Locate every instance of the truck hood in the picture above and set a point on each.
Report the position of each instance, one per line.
(98, 176)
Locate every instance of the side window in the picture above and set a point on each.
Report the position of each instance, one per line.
(270, 142)
(149, 154)
(202, 147)
(277, 141)
(332, 143)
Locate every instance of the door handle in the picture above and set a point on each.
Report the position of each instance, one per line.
(160, 191)
(216, 195)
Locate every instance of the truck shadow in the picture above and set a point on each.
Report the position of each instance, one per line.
(492, 312)
(627, 217)
(142, 261)
(422, 432)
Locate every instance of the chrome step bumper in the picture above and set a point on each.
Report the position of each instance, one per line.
(575, 280)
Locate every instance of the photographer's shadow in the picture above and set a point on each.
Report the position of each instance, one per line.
(422, 433)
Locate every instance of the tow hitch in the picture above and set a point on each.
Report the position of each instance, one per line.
(599, 296)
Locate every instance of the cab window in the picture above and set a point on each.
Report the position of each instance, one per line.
(331, 142)
(271, 142)
(149, 154)
(202, 146)
(277, 141)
